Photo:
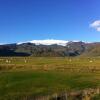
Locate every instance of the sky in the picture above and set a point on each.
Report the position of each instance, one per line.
(26, 20)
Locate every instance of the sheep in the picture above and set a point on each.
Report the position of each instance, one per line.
(8, 61)
(90, 61)
(25, 60)
(70, 60)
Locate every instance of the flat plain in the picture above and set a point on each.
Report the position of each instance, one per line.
(22, 77)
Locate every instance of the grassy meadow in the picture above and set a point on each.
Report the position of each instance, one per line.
(37, 76)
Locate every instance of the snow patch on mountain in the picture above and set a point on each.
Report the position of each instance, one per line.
(47, 42)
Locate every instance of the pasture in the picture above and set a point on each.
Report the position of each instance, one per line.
(22, 77)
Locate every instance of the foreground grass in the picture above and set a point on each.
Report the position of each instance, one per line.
(51, 75)
(97, 97)
(27, 83)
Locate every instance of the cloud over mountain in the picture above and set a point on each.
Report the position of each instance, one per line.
(96, 25)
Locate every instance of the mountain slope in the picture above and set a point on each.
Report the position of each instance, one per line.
(92, 50)
(61, 49)
(70, 49)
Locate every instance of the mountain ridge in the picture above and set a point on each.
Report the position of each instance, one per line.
(52, 48)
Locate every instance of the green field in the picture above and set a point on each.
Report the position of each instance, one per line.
(38, 76)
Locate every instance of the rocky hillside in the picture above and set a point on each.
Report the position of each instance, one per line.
(70, 49)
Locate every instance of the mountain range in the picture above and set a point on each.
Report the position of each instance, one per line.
(52, 48)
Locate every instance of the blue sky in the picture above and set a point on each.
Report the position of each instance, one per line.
(25, 20)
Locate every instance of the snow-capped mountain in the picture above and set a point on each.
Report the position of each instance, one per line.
(46, 48)
(48, 42)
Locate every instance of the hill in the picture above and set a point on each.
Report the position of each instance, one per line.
(71, 48)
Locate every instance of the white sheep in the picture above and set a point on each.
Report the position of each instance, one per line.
(90, 61)
(25, 61)
(8, 61)
(70, 60)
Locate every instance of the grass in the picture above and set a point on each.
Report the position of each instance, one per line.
(97, 97)
(43, 76)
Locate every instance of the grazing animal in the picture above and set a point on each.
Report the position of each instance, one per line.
(70, 60)
(25, 61)
(90, 61)
(8, 61)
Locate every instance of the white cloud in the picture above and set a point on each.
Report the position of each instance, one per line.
(96, 25)
(98, 29)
